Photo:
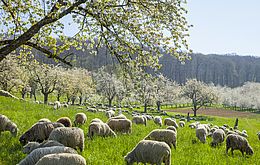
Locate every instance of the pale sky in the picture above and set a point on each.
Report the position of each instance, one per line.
(224, 26)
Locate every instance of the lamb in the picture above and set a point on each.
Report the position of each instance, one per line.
(44, 120)
(158, 120)
(39, 132)
(201, 133)
(65, 121)
(139, 120)
(100, 129)
(80, 118)
(69, 136)
(165, 135)
(258, 134)
(218, 137)
(7, 125)
(170, 122)
(120, 125)
(110, 113)
(57, 105)
(29, 147)
(38, 153)
(172, 128)
(237, 142)
(148, 151)
(182, 123)
(62, 159)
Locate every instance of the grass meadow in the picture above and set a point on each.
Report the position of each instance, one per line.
(106, 151)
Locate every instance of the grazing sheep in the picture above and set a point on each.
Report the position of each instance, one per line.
(158, 120)
(39, 132)
(110, 113)
(181, 123)
(96, 120)
(201, 133)
(120, 125)
(92, 110)
(65, 105)
(237, 142)
(258, 134)
(7, 125)
(69, 136)
(172, 128)
(80, 118)
(38, 153)
(165, 135)
(100, 129)
(218, 137)
(121, 116)
(207, 126)
(139, 120)
(148, 117)
(62, 159)
(29, 147)
(170, 122)
(65, 121)
(57, 105)
(194, 125)
(148, 151)
(44, 120)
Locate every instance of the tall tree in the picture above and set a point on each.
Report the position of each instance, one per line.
(125, 27)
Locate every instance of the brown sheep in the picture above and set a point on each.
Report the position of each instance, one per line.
(237, 142)
(65, 121)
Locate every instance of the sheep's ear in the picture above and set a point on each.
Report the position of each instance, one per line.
(13, 130)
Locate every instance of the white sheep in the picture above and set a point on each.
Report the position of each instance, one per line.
(57, 105)
(218, 137)
(29, 147)
(139, 120)
(69, 136)
(237, 142)
(170, 122)
(39, 132)
(194, 125)
(38, 153)
(62, 159)
(258, 134)
(96, 120)
(182, 123)
(201, 133)
(110, 113)
(100, 129)
(172, 128)
(158, 120)
(7, 125)
(120, 125)
(80, 118)
(165, 135)
(148, 151)
(121, 116)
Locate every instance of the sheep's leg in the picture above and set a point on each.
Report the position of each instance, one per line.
(242, 152)
(232, 151)
(227, 150)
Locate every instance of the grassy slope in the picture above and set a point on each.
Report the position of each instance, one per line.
(111, 150)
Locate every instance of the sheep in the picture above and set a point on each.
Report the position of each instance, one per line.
(80, 118)
(39, 132)
(44, 120)
(194, 125)
(181, 123)
(65, 105)
(158, 120)
(92, 110)
(96, 120)
(258, 134)
(148, 117)
(100, 129)
(62, 159)
(110, 113)
(170, 122)
(69, 136)
(237, 142)
(201, 133)
(120, 125)
(7, 125)
(172, 128)
(57, 105)
(38, 153)
(139, 120)
(29, 147)
(148, 151)
(218, 137)
(165, 135)
(65, 121)
(121, 116)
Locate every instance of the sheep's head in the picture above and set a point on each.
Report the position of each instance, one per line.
(25, 138)
(249, 150)
(128, 159)
(29, 147)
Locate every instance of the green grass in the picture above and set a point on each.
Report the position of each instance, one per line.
(111, 150)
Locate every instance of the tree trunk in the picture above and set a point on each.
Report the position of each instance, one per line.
(145, 107)
(58, 97)
(80, 100)
(23, 95)
(46, 98)
(109, 102)
(195, 112)
(158, 103)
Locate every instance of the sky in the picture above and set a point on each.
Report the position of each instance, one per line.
(224, 26)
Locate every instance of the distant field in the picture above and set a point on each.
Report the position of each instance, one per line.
(106, 151)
